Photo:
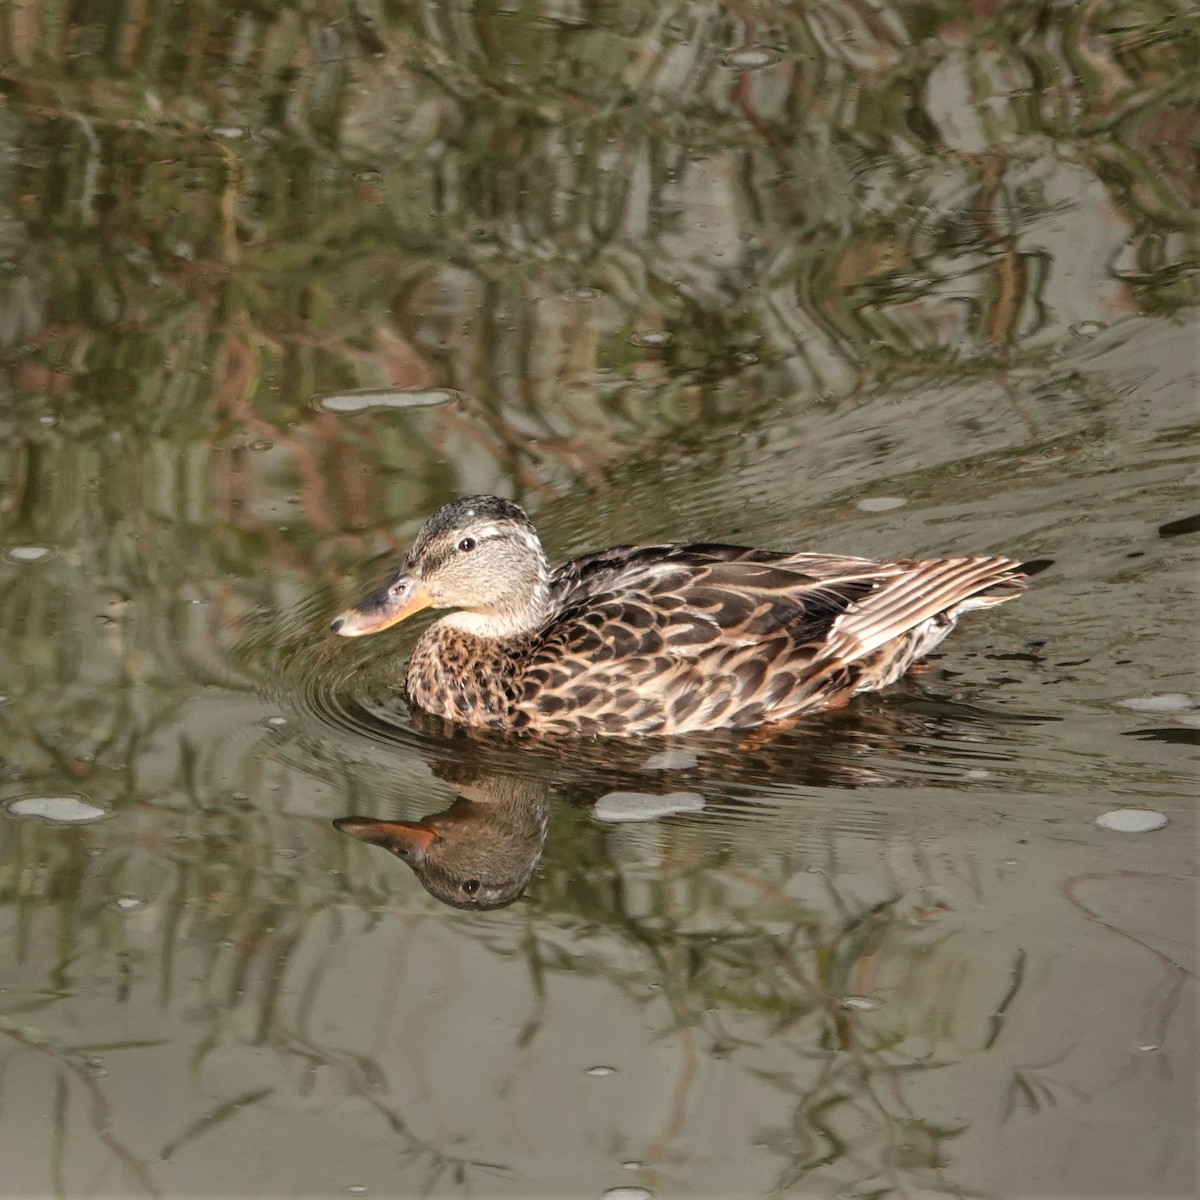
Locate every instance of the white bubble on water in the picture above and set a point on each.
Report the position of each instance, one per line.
(1161, 702)
(366, 399)
(1132, 820)
(56, 810)
(27, 554)
(880, 503)
(642, 806)
(751, 58)
(652, 338)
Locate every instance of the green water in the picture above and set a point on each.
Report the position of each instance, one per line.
(276, 281)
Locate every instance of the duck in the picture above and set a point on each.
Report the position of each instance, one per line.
(647, 640)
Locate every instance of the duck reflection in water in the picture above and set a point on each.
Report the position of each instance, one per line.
(481, 851)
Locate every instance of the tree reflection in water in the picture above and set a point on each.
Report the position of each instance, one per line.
(679, 271)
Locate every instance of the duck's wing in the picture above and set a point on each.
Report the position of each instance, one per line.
(659, 570)
(918, 592)
(664, 639)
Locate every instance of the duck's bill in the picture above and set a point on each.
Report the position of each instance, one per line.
(408, 839)
(384, 608)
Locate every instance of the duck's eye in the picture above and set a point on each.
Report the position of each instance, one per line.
(471, 886)
(465, 545)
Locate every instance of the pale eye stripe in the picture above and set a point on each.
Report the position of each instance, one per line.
(486, 531)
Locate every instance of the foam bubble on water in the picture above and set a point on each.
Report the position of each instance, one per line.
(1162, 702)
(880, 503)
(598, 1072)
(671, 760)
(628, 1193)
(27, 554)
(56, 810)
(365, 399)
(652, 339)
(642, 806)
(750, 58)
(858, 1003)
(1132, 820)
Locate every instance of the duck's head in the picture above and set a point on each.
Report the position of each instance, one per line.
(479, 556)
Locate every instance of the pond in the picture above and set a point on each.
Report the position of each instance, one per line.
(881, 279)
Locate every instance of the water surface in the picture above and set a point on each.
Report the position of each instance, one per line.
(276, 282)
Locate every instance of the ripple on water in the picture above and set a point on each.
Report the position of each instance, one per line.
(349, 687)
(56, 810)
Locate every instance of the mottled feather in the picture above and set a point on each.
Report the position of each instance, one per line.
(672, 638)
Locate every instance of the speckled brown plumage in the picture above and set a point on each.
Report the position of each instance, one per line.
(663, 639)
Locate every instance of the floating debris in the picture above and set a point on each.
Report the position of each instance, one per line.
(1132, 820)
(597, 1072)
(642, 806)
(1087, 329)
(365, 399)
(56, 810)
(628, 1193)
(1184, 525)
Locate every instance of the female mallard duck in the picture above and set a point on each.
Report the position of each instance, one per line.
(657, 639)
